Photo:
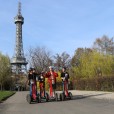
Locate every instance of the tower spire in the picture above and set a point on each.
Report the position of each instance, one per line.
(19, 8)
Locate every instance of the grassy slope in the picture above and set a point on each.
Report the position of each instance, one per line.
(5, 94)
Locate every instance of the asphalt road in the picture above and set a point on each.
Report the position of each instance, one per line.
(17, 104)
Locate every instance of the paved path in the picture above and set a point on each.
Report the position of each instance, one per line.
(84, 102)
(94, 94)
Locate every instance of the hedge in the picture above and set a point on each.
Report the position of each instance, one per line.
(97, 83)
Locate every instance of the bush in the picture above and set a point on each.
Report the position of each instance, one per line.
(96, 84)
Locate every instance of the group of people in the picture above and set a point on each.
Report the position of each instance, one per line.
(33, 77)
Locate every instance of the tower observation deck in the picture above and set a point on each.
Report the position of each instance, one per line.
(18, 61)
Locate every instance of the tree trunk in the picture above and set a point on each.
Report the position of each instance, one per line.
(1, 88)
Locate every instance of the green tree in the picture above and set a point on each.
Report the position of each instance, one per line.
(5, 71)
(91, 64)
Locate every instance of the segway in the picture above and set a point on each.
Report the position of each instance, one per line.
(53, 96)
(33, 96)
(65, 94)
(43, 94)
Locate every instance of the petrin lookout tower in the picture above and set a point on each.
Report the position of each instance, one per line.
(18, 61)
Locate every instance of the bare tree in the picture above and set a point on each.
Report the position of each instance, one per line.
(62, 60)
(40, 58)
(104, 45)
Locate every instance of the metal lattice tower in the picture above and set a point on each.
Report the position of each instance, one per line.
(18, 61)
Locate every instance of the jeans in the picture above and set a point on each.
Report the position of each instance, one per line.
(30, 89)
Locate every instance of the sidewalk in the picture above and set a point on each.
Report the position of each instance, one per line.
(93, 94)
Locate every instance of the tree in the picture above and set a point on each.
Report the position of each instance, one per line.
(5, 70)
(40, 58)
(91, 64)
(78, 54)
(62, 60)
(104, 45)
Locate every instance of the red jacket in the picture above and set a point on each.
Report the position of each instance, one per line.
(49, 76)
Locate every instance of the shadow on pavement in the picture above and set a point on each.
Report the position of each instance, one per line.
(76, 97)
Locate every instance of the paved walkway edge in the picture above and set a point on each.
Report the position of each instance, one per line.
(93, 94)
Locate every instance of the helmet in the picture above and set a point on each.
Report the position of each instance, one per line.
(51, 67)
(30, 68)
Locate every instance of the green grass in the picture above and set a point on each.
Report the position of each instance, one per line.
(5, 94)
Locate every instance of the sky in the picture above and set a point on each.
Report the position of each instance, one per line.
(58, 25)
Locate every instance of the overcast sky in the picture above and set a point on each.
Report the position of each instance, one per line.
(59, 25)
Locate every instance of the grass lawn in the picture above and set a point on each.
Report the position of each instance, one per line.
(5, 94)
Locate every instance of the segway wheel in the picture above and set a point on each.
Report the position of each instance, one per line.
(62, 97)
(56, 97)
(70, 95)
(47, 97)
(29, 99)
(38, 100)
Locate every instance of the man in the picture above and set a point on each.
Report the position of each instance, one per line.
(64, 74)
(32, 82)
(65, 77)
(34, 74)
(51, 75)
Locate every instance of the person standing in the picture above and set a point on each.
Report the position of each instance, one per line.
(51, 75)
(65, 77)
(30, 80)
(41, 80)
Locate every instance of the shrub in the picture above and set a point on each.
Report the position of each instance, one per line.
(96, 84)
